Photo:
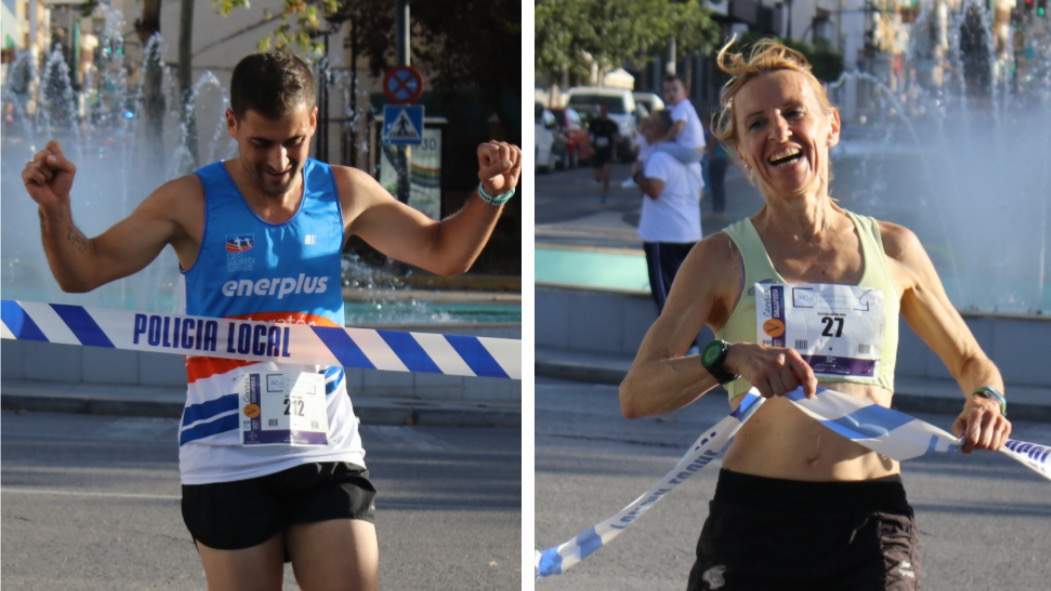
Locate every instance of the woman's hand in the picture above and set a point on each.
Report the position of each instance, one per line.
(981, 425)
(774, 371)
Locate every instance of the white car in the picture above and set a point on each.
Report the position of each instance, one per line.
(620, 106)
(652, 101)
(550, 145)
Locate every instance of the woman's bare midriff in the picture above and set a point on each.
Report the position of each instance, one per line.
(781, 442)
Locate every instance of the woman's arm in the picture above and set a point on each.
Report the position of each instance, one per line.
(660, 379)
(705, 290)
(927, 309)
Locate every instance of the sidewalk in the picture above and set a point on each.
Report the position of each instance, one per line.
(373, 408)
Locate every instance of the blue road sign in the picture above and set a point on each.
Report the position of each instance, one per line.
(402, 125)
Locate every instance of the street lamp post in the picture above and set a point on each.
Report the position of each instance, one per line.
(404, 59)
(335, 22)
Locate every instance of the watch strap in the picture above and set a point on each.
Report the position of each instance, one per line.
(713, 358)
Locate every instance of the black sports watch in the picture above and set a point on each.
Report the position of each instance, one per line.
(713, 358)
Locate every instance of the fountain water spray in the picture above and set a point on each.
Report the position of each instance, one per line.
(959, 154)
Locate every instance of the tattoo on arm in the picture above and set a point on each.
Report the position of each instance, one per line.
(73, 233)
(77, 238)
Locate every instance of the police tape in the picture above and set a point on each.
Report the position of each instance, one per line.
(250, 340)
(883, 430)
(898, 435)
(707, 447)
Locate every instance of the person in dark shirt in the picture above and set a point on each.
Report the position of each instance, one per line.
(714, 162)
(603, 132)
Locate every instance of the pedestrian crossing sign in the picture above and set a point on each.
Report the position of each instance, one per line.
(402, 125)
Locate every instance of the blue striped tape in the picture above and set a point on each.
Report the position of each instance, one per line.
(869, 422)
(476, 356)
(343, 347)
(83, 325)
(19, 323)
(193, 335)
(884, 430)
(409, 351)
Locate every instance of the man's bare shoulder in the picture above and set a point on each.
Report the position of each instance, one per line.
(350, 176)
(356, 186)
(184, 188)
(180, 200)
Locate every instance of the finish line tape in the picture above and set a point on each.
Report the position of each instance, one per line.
(707, 447)
(388, 350)
(883, 430)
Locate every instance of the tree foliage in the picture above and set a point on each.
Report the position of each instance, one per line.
(826, 63)
(572, 34)
(477, 42)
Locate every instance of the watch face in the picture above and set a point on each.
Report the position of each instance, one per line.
(712, 352)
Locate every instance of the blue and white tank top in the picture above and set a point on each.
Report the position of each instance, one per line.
(248, 268)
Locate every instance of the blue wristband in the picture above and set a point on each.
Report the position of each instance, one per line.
(992, 393)
(495, 200)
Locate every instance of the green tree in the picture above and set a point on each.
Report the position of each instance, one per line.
(573, 34)
(477, 42)
(826, 63)
(561, 31)
(297, 20)
(692, 27)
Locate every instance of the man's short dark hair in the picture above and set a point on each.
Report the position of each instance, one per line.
(673, 78)
(271, 84)
(663, 120)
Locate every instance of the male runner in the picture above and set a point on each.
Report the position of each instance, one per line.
(604, 135)
(260, 236)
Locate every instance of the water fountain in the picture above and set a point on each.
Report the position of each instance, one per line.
(103, 129)
(959, 153)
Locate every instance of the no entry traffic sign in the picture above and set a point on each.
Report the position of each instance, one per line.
(402, 84)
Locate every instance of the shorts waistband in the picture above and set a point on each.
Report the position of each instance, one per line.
(880, 494)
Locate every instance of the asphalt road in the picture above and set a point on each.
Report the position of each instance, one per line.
(92, 503)
(984, 520)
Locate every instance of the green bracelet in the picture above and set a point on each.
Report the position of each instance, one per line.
(495, 200)
(992, 393)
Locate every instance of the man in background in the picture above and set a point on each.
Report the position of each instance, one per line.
(687, 130)
(670, 220)
(603, 132)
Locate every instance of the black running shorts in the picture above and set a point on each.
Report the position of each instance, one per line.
(767, 533)
(245, 513)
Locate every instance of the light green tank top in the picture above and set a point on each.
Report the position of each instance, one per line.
(741, 326)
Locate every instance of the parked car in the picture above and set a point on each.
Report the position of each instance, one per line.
(550, 151)
(651, 100)
(620, 106)
(578, 141)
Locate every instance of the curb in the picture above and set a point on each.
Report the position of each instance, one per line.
(578, 372)
(903, 401)
(405, 414)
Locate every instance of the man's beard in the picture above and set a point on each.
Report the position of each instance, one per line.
(272, 187)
